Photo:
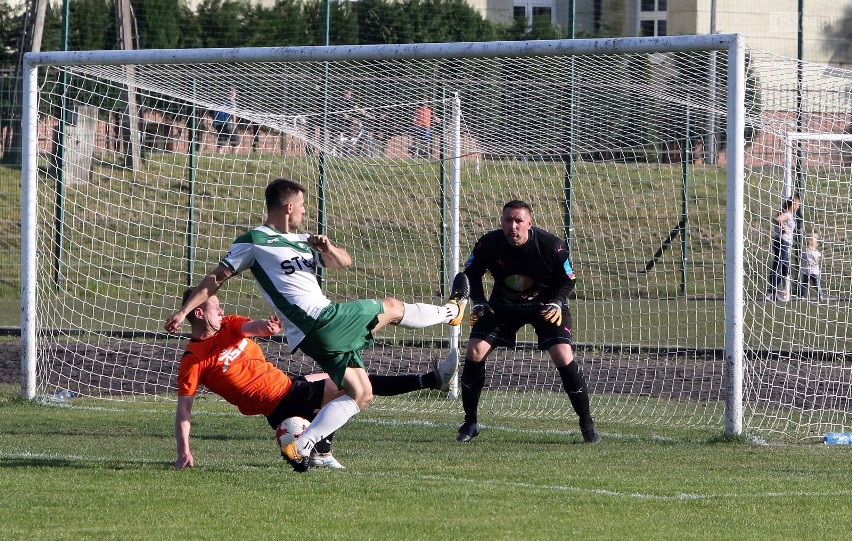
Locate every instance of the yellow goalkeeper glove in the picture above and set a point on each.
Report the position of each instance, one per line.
(552, 313)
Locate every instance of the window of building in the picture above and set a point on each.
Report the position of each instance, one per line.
(651, 17)
(535, 10)
(520, 14)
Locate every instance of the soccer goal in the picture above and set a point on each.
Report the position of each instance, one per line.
(656, 159)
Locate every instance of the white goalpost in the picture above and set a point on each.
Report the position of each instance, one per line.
(408, 153)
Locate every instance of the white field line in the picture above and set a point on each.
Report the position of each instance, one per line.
(516, 485)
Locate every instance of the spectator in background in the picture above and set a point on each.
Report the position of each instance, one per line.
(225, 124)
(810, 267)
(783, 230)
(356, 136)
(421, 136)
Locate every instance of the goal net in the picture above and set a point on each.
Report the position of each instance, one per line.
(150, 163)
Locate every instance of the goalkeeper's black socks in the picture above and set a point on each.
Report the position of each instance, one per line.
(575, 385)
(394, 385)
(472, 382)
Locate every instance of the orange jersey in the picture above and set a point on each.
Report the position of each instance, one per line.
(423, 117)
(234, 367)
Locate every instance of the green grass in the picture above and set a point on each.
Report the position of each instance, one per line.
(100, 470)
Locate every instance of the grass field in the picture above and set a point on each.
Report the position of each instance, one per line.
(98, 470)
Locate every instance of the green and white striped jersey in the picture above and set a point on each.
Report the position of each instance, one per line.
(284, 266)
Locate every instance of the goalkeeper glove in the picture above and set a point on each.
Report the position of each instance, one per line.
(552, 313)
(478, 311)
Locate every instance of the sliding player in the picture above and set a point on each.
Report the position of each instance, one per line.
(222, 357)
(284, 265)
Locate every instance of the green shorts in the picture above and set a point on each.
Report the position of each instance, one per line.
(339, 335)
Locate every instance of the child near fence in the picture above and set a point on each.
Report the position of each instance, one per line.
(810, 268)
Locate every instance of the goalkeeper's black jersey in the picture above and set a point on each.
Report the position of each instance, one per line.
(524, 276)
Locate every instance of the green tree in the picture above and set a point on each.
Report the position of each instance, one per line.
(343, 22)
(442, 21)
(222, 23)
(158, 26)
(280, 25)
(10, 34)
(191, 33)
(91, 26)
(540, 29)
(378, 21)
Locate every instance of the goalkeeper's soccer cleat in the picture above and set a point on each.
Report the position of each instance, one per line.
(291, 454)
(590, 434)
(467, 432)
(459, 295)
(447, 369)
(325, 460)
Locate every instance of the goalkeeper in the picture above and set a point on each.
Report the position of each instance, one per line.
(222, 357)
(532, 280)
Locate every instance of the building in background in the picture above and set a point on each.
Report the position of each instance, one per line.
(769, 25)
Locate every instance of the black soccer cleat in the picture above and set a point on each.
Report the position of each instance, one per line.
(467, 432)
(291, 454)
(459, 295)
(590, 434)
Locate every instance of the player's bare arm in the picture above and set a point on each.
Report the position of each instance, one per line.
(262, 327)
(182, 426)
(333, 257)
(205, 289)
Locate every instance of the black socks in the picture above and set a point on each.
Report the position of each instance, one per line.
(575, 385)
(472, 382)
(394, 385)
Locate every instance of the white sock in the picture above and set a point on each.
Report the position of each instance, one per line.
(421, 315)
(330, 418)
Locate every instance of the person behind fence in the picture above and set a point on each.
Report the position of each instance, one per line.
(810, 267)
(532, 280)
(225, 123)
(355, 136)
(421, 131)
(222, 356)
(783, 230)
(284, 265)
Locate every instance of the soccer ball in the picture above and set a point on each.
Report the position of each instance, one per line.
(290, 429)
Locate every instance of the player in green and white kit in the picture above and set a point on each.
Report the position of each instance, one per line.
(284, 264)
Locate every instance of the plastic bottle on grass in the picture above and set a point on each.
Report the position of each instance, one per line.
(838, 438)
(63, 395)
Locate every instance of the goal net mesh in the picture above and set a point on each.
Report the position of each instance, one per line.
(622, 155)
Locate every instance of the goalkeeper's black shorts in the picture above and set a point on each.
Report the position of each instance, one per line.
(500, 329)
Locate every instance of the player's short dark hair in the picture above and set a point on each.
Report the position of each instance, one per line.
(279, 190)
(186, 294)
(517, 204)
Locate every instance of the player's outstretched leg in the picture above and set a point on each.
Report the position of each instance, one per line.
(459, 294)
(418, 315)
(447, 369)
